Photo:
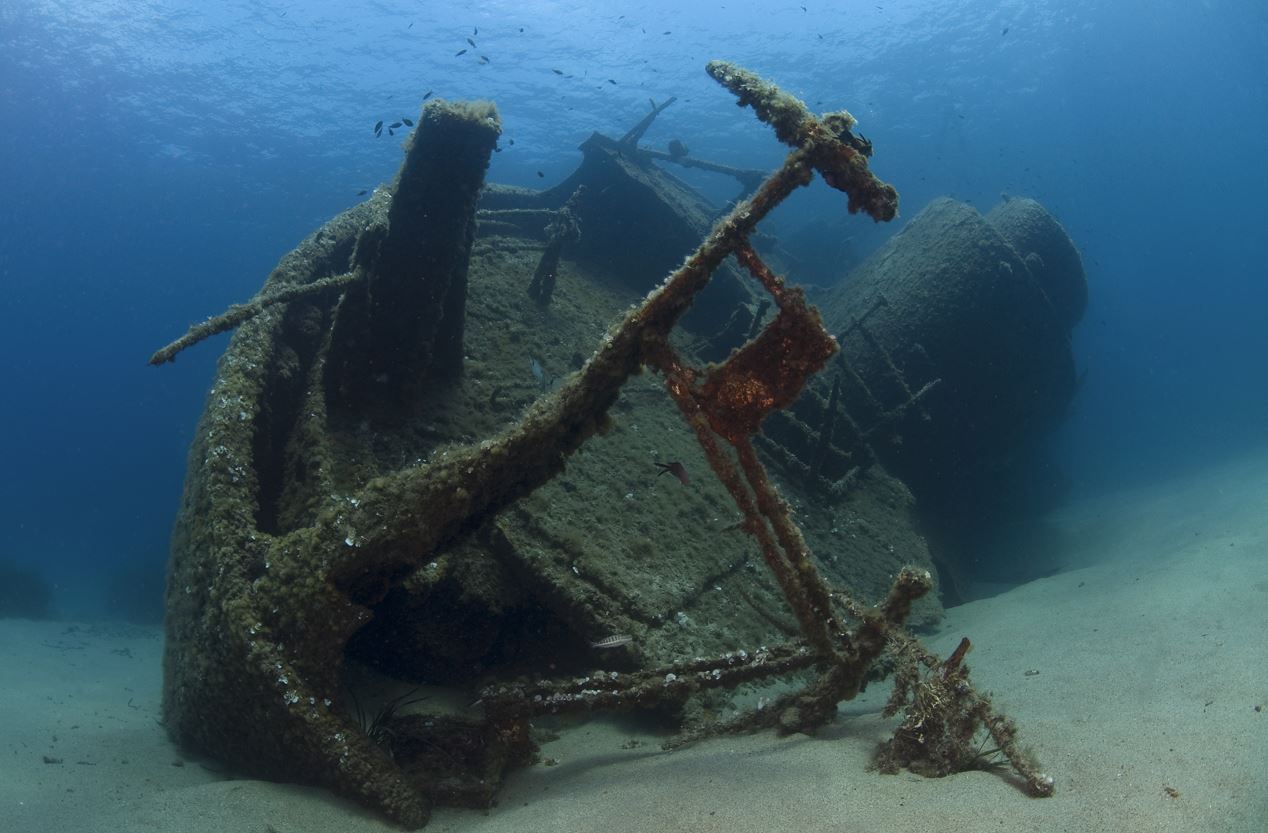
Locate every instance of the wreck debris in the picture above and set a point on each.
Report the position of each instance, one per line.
(955, 348)
(640, 222)
(679, 154)
(514, 222)
(758, 316)
(748, 178)
(955, 351)
(563, 229)
(826, 428)
(943, 718)
(261, 611)
(827, 143)
(402, 327)
(631, 137)
(509, 703)
(238, 313)
(1047, 252)
(729, 403)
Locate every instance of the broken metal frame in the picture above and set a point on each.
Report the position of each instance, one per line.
(726, 404)
(750, 178)
(563, 229)
(836, 411)
(911, 398)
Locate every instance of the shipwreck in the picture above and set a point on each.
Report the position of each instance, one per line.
(429, 457)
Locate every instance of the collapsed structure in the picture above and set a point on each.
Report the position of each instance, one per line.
(356, 499)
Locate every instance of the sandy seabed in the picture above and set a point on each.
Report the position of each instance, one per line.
(1151, 653)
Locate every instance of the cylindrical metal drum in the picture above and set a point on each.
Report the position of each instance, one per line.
(954, 347)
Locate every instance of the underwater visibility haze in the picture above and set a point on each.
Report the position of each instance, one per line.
(974, 525)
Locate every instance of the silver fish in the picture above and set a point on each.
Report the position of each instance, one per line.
(614, 641)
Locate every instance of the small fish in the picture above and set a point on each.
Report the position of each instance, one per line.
(541, 175)
(391, 132)
(378, 125)
(558, 71)
(1005, 32)
(394, 125)
(411, 26)
(539, 373)
(677, 469)
(460, 52)
(470, 41)
(610, 81)
(511, 142)
(429, 92)
(484, 59)
(408, 123)
(363, 192)
(475, 30)
(615, 641)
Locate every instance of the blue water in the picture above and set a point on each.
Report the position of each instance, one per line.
(157, 158)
